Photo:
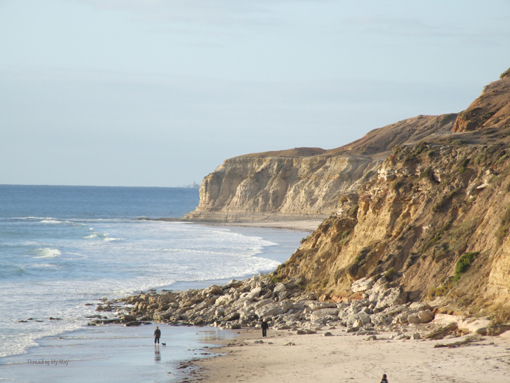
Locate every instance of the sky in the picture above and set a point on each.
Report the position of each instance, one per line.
(161, 92)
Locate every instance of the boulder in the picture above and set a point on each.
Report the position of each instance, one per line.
(391, 297)
(425, 316)
(361, 285)
(358, 320)
(127, 318)
(320, 314)
(419, 306)
(255, 293)
(162, 315)
(273, 309)
(279, 288)
(443, 331)
(213, 290)
(224, 300)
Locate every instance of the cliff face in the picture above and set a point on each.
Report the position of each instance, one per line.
(292, 186)
(435, 219)
(428, 207)
(304, 182)
(424, 202)
(490, 109)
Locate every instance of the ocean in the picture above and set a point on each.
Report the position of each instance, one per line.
(65, 247)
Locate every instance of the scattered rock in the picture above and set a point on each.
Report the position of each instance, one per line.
(441, 332)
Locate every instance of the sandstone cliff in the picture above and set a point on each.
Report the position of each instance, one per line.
(304, 182)
(435, 218)
(424, 202)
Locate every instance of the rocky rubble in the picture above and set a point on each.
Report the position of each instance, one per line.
(380, 306)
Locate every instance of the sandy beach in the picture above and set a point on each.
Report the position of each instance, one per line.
(305, 225)
(286, 357)
(300, 225)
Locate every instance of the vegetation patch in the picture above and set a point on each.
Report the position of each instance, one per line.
(463, 165)
(441, 290)
(463, 264)
(504, 225)
(396, 184)
(390, 274)
(444, 200)
(438, 236)
(353, 211)
(505, 74)
(345, 237)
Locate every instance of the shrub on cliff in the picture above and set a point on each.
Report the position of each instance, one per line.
(505, 74)
(463, 264)
(504, 225)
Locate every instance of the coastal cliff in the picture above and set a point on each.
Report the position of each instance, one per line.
(423, 203)
(435, 219)
(304, 182)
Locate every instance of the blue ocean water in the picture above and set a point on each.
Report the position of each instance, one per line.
(62, 247)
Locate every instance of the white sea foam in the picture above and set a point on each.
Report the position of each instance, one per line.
(51, 221)
(109, 239)
(48, 253)
(150, 255)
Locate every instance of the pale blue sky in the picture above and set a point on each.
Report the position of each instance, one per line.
(159, 93)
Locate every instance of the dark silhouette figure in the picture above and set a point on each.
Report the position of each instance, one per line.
(157, 335)
(264, 326)
(384, 379)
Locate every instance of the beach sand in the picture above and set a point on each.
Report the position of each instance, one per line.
(286, 357)
(309, 225)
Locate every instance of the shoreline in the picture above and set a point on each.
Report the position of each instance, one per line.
(271, 252)
(113, 353)
(306, 225)
(306, 334)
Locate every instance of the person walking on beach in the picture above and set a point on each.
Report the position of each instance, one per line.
(384, 379)
(264, 326)
(157, 335)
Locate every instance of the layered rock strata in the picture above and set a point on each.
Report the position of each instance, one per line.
(303, 182)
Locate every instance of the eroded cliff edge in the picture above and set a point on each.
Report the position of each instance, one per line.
(435, 219)
(304, 182)
(423, 203)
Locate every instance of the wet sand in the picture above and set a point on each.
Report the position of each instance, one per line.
(113, 353)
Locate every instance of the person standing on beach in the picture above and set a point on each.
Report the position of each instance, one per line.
(384, 379)
(157, 335)
(264, 326)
